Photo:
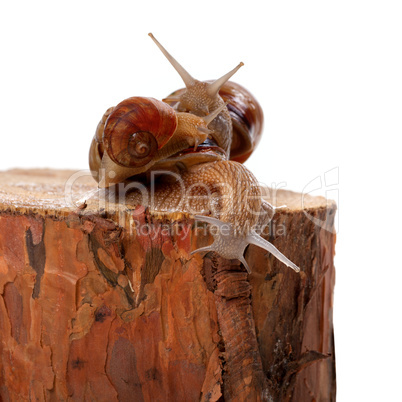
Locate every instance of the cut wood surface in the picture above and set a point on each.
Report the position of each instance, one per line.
(93, 307)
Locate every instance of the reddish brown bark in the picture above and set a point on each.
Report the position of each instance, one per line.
(243, 375)
(90, 309)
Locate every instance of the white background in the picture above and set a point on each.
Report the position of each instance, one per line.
(329, 78)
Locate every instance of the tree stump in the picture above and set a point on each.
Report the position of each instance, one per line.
(102, 301)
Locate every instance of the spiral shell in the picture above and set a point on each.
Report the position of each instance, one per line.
(136, 129)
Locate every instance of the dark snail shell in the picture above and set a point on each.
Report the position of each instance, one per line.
(136, 129)
(247, 119)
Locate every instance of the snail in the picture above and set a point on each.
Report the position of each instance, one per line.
(203, 133)
(141, 134)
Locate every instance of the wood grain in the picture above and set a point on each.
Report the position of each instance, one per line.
(93, 308)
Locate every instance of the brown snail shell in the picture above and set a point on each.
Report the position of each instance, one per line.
(247, 120)
(246, 115)
(136, 128)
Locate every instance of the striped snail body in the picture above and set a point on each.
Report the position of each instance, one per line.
(203, 132)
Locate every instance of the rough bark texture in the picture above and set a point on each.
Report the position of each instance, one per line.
(92, 307)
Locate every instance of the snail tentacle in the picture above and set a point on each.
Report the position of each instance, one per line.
(230, 246)
(256, 239)
(214, 87)
(186, 77)
(211, 116)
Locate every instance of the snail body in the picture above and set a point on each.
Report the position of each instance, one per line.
(238, 128)
(203, 132)
(246, 118)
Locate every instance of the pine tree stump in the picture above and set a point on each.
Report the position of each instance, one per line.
(103, 302)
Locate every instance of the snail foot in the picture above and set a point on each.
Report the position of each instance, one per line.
(231, 246)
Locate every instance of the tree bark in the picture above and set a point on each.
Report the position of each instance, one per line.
(102, 301)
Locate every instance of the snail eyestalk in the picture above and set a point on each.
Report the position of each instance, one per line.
(215, 86)
(230, 246)
(208, 119)
(185, 76)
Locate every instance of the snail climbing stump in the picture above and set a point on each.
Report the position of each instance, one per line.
(92, 308)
